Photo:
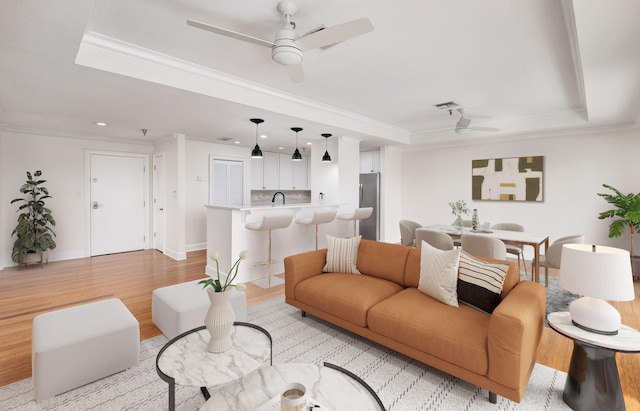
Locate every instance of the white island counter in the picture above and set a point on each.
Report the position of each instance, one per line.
(226, 234)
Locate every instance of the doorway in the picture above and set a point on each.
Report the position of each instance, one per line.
(117, 202)
(158, 201)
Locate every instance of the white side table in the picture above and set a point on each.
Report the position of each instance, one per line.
(593, 382)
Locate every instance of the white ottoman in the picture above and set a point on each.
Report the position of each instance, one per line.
(182, 307)
(79, 345)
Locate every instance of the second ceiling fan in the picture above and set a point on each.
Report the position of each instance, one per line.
(288, 48)
(462, 126)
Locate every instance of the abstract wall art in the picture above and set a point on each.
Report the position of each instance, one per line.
(507, 179)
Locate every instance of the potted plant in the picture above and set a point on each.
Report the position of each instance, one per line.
(627, 214)
(34, 233)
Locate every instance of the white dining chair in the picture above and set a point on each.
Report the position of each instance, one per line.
(513, 248)
(436, 239)
(482, 246)
(408, 232)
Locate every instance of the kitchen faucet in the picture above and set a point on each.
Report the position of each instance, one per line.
(273, 200)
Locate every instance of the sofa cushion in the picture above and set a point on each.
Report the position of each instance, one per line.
(456, 335)
(342, 255)
(383, 260)
(345, 295)
(439, 273)
(480, 282)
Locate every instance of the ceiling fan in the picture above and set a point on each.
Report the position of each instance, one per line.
(287, 47)
(462, 126)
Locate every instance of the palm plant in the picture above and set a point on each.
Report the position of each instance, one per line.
(33, 232)
(627, 213)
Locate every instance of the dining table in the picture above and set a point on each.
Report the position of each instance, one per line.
(535, 240)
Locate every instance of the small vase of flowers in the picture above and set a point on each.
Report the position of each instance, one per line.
(458, 208)
(220, 315)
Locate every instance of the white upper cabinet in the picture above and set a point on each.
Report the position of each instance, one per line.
(276, 171)
(301, 174)
(265, 172)
(294, 175)
(369, 161)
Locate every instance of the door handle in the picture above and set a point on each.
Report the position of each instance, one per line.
(161, 209)
(95, 205)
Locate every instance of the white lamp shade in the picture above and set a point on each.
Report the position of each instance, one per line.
(597, 271)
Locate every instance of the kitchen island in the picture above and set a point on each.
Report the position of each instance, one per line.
(227, 235)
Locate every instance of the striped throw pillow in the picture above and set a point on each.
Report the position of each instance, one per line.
(480, 282)
(342, 255)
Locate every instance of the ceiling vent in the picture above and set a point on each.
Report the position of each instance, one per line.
(225, 138)
(449, 105)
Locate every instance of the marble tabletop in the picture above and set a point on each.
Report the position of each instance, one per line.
(330, 388)
(189, 363)
(627, 339)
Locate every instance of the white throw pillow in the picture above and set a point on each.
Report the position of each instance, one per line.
(342, 255)
(439, 273)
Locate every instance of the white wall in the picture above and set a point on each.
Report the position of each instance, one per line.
(198, 154)
(575, 167)
(61, 160)
(390, 194)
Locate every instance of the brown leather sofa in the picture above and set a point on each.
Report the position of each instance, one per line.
(496, 352)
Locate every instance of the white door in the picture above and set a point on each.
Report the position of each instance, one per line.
(158, 202)
(117, 203)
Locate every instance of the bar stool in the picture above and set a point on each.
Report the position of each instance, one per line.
(269, 222)
(355, 215)
(316, 218)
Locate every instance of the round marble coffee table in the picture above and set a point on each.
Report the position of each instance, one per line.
(328, 386)
(593, 382)
(185, 360)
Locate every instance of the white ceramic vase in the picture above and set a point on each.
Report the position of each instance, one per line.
(219, 320)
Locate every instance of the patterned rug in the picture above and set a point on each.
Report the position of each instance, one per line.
(402, 383)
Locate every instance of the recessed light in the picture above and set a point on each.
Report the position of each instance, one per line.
(280, 148)
(236, 142)
(263, 136)
(308, 143)
(101, 123)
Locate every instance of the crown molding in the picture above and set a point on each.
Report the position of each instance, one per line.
(113, 55)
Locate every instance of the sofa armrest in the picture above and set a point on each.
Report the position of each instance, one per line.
(299, 267)
(515, 330)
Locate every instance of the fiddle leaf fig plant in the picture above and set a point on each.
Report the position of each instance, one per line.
(34, 233)
(626, 213)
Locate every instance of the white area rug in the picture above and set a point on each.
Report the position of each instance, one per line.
(402, 383)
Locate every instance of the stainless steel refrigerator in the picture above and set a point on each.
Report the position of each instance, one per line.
(370, 197)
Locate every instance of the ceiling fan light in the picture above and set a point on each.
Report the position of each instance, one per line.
(296, 155)
(287, 55)
(286, 51)
(462, 130)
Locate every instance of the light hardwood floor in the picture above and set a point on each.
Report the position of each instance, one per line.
(133, 276)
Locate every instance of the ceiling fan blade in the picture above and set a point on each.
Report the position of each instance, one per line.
(490, 129)
(230, 33)
(336, 34)
(296, 73)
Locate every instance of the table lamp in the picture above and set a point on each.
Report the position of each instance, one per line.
(597, 273)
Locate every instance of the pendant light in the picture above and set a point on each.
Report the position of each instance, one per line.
(256, 152)
(326, 158)
(296, 154)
